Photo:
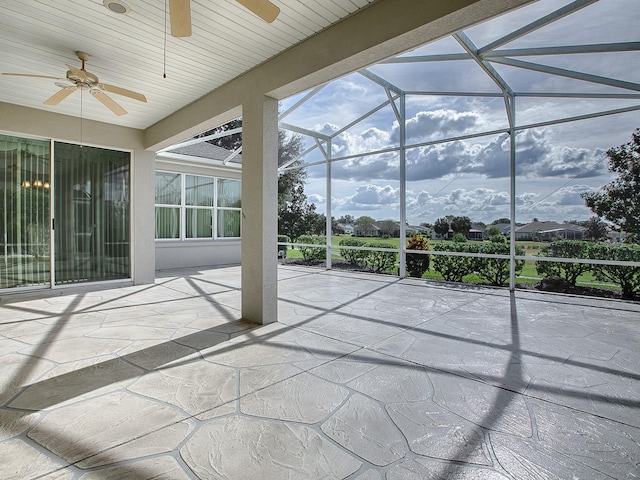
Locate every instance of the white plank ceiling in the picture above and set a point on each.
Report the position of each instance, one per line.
(40, 37)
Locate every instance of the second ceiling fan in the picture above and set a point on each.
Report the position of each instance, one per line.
(180, 11)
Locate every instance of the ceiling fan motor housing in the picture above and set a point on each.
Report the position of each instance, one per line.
(90, 79)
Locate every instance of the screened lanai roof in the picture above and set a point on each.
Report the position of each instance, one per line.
(551, 61)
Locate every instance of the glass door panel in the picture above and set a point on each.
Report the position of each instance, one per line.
(92, 215)
(25, 166)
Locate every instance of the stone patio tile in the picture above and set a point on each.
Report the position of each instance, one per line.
(435, 432)
(151, 355)
(76, 381)
(270, 349)
(598, 390)
(526, 460)
(83, 429)
(609, 447)
(363, 427)
(193, 387)
(13, 423)
(490, 407)
(344, 369)
(77, 348)
(19, 461)
(369, 475)
(161, 441)
(127, 333)
(302, 398)
(18, 370)
(8, 345)
(238, 447)
(424, 468)
(359, 330)
(394, 381)
(61, 474)
(161, 468)
(257, 378)
(221, 325)
(455, 354)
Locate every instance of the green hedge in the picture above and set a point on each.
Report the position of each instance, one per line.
(380, 261)
(566, 270)
(626, 277)
(354, 257)
(312, 254)
(494, 270)
(376, 261)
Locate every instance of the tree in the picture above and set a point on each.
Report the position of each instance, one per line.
(441, 227)
(347, 219)
(500, 220)
(296, 216)
(596, 229)
(461, 225)
(619, 201)
(388, 228)
(364, 224)
(230, 142)
(493, 231)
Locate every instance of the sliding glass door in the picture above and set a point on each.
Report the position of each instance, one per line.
(91, 220)
(25, 166)
(90, 226)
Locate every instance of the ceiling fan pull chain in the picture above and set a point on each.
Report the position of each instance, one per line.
(164, 49)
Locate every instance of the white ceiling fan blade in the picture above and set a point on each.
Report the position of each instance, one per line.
(81, 74)
(108, 102)
(33, 76)
(60, 95)
(180, 12)
(123, 91)
(262, 8)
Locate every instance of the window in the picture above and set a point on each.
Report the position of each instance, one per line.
(195, 207)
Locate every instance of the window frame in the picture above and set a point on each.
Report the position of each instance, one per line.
(184, 209)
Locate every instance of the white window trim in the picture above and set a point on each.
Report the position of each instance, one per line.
(183, 208)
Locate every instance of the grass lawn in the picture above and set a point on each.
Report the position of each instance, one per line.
(528, 274)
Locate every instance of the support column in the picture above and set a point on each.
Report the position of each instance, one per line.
(259, 209)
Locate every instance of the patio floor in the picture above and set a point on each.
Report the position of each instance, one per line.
(364, 376)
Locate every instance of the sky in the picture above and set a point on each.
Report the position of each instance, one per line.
(554, 163)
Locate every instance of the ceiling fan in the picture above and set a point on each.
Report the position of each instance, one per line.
(180, 11)
(79, 78)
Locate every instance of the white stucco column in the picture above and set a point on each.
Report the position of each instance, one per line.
(143, 231)
(259, 208)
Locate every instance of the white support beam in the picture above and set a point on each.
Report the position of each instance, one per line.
(562, 72)
(539, 23)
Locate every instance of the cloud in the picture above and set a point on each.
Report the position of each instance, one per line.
(315, 198)
(369, 197)
(536, 155)
(440, 122)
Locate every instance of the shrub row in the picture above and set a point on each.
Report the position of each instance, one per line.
(376, 260)
(313, 254)
(494, 270)
(627, 277)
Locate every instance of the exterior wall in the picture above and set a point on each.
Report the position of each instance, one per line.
(194, 253)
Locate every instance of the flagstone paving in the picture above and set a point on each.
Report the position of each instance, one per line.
(363, 377)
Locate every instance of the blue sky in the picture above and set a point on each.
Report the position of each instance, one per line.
(471, 177)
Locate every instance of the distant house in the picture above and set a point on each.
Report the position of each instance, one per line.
(475, 234)
(550, 231)
(369, 230)
(347, 228)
